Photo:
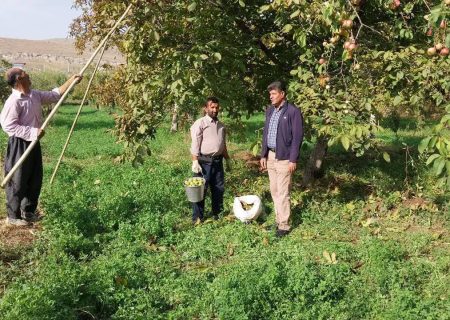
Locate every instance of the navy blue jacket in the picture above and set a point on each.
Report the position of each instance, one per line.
(289, 133)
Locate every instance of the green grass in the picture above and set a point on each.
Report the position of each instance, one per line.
(117, 242)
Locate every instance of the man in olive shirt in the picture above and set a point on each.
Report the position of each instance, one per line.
(208, 149)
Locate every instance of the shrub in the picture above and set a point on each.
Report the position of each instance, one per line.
(5, 90)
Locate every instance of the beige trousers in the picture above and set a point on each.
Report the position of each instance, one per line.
(280, 187)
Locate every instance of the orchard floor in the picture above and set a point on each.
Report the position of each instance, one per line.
(370, 239)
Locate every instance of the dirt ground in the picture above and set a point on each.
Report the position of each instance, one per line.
(250, 160)
(13, 237)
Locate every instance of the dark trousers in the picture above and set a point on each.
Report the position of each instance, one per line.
(22, 191)
(214, 176)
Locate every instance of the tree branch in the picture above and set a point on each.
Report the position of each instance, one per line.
(257, 40)
(244, 28)
(362, 23)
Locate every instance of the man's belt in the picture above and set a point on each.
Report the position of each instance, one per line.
(209, 159)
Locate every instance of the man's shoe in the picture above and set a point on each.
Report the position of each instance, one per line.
(197, 222)
(215, 217)
(30, 216)
(281, 233)
(16, 222)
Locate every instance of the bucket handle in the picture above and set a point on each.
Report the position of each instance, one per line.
(201, 172)
(202, 175)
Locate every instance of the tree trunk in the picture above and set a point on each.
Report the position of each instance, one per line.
(174, 125)
(313, 168)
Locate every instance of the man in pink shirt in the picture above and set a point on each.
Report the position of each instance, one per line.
(21, 119)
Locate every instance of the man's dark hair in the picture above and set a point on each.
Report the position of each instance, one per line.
(277, 85)
(12, 75)
(211, 99)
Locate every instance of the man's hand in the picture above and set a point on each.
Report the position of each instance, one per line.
(292, 167)
(41, 133)
(196, 167)
(263, 163)
(77, 78)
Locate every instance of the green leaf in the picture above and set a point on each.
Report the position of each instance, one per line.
(156, 35)
(218, 56)
(358, 132)
(424, 144)
(445, 119)
(264, 8)
(432, 157)
(331, 142)
(192, 6)
(447, 40)
(345, 55)
(255, 149)
(345, 142)
(397, 100)
(241, 3)
(287, 28)
(439, 165)
(435, 13)
(440, 146)
(386, 157)
(300, 38)
(433, 142)
(414, 99)
(295, 14)
(203, 56)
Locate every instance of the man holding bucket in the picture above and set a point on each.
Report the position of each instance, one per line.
(208, 149)
(281, 141)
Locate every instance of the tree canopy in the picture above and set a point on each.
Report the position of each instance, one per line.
(345, 61)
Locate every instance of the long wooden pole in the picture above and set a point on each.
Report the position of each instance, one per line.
(77, 115)
(52, 113)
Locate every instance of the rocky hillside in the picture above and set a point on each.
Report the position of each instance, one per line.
(52, 54)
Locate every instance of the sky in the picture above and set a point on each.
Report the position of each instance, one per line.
(36, 19)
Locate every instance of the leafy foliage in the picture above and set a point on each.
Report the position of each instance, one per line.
(108, 88)
(438, 146)
(345, 61)
(386, 73)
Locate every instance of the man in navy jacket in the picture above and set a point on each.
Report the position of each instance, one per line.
(282, 138)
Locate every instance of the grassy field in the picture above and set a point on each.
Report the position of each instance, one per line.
(370, 240)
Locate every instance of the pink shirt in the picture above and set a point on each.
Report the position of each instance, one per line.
(22, 114)
(208, 137)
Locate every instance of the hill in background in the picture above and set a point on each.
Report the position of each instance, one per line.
(51, 54)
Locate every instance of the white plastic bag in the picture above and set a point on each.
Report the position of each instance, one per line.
(247, 215)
